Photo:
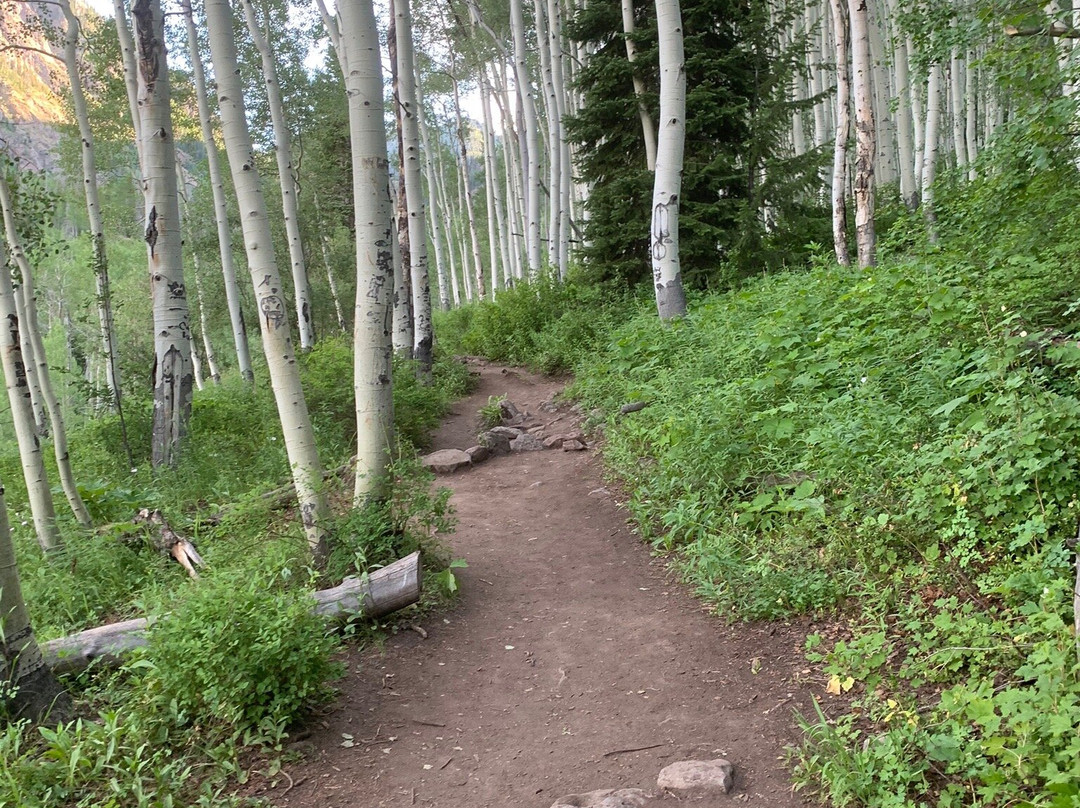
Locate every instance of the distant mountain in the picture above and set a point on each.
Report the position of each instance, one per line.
(32, 84)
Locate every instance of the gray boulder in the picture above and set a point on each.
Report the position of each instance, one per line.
(526, 443)
(697, 777)
(604, 798)
(446, 461)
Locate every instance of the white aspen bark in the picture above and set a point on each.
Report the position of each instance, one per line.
(566, 170)
(99, 258)
(489, 195)
(221, 206)
(401, 336)
(532, 173)
(331, 278)
(515, 202)
(918, 119)
(196, 365)
(32, 688)
(554, 154)
(909, 189)
(286, 176)
(930, 154)
(30, 333)
(648, 128)
(172, 373)
(971, 135)
(884, 134)
(409, 107)
(434, 211)
(33, 385)
(467, 198)
(127, 58)
(372, 349)
(817, 72)
(959, 116)
(33, 465)
(284, 374)
(497, 228)
(667, 184)
(204, 324)
(865, 134)
(448, 224)
(843, 127)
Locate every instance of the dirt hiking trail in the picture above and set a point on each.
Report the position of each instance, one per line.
(572, 660)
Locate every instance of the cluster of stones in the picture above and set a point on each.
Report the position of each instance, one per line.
(686, 780)
(517, 433)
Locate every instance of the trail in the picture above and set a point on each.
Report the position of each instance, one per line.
(569, 646)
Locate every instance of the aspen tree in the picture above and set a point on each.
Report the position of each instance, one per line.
(30, 687)
(466, 190)
(99, 260)
(402, 333)
(409, 107)
(648, 128)
(930, 153)
(959, 115)
(498, 233)
(30, 334)
(563, 189)
(909, 188)
(434, 211)
(532, 179)
(221, 207)
(172, 375)
(286, 174)
(667, 182)
(331, 278)
(372, 378)
(843, 127)
(292, 408)
(33, 465)
(865, 134)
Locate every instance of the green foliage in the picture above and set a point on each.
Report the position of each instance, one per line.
(245, 652)
(491, 413)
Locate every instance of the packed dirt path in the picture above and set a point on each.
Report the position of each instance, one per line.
(572, 661)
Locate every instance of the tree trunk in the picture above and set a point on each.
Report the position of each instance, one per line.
(286, 175)
(532, 179)
(204, 324)
(409, 107)
(402, 336)
(30, 686)
(667, 185)
(909, 188)
(498, 233)
(648, 128)
(435, 214)
(463, 168)
(558, 79)
(99, 261)
(843, 126)
(221, 207)
(31, 334)
(331, 279)
(37, 484)
(273, 316)
(172, 375)
(372, 378)
(971, 123)
(959, 116)
(554, 153)
(865, 134)
(930, 153)
(376, 595)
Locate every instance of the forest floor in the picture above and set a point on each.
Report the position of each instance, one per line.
(573, 659)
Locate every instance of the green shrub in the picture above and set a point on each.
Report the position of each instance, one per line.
(242, 652)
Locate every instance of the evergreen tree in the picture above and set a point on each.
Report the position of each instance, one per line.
(737, 161)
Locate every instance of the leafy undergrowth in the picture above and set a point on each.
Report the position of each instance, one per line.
(236, 659)
(896, 446)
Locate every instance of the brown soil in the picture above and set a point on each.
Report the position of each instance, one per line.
(572, 661)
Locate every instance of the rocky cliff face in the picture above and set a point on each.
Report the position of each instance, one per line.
(31, 82)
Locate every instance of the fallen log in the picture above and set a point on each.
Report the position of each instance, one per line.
(377, 594)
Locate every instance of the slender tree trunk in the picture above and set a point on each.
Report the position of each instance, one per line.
(971, 122)
(929, 167)
(33, 465)
(448, 223)
(499, 235)
(27, 326)
(565, 169)
(409, 107)
(99, 260)
(648, 128)
(474, 240)
(221, 207)
(292, 409)
(172, 336)
(667, 185)
(865, 134)
(204, 324)
(843, 127)
(331, 279)
(435, 211)
(909, 189)
(884, 132)
(30, 688)
(374, 260)
(286, 175)
(959, 116)
(402, 334)
(532, 180)
(33, 384)
(196, 364)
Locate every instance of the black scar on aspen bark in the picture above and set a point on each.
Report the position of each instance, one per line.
(147, 44)
(151, 229)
